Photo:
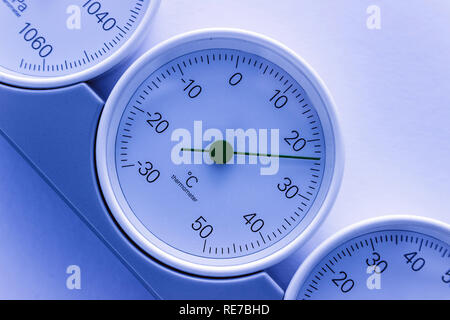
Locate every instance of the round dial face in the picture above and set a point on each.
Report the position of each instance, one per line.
(54, 43)
(395, 263)
(217, 155)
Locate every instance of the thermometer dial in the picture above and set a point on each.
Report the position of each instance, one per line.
(218, 152)
(387, 258)
(55, 43)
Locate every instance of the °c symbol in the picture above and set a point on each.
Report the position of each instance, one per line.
(188, 180)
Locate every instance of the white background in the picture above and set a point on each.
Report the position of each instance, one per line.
(391, 87)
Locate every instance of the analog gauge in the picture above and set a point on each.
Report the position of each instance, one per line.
(401, 257)
(55, 43)
(218, 152)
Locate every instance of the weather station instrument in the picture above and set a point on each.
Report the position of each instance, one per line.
(218, 152)
(392, 257)
(57, 43)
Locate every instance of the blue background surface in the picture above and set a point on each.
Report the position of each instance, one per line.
(391, 91)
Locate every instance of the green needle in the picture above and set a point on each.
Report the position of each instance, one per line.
(219, 157)
(276, 155)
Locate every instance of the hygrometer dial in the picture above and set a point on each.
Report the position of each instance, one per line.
(55, 43)
(189, 192)
(387, 258)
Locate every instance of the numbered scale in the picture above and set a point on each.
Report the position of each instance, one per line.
(56, 43)
(187, 193)
(397, 257)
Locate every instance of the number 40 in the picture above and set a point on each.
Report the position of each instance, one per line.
(255, 224)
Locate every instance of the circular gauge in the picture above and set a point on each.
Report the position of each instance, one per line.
(55, 43)
(218, 152)
(397, 257)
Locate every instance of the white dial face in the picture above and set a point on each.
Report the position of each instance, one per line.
(221, 155)
(50, 40)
